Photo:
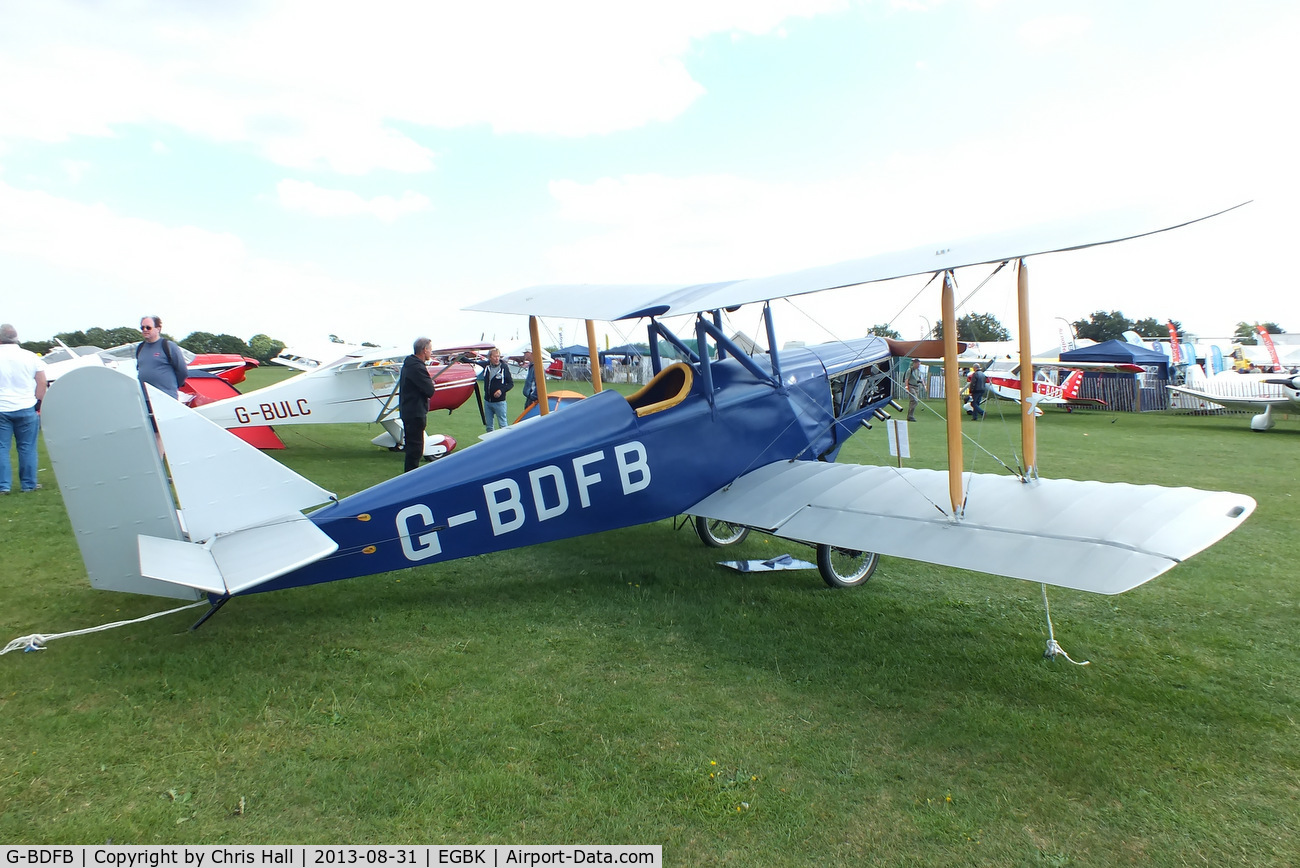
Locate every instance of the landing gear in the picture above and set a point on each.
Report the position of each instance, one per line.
(845, 568)
(717, 534)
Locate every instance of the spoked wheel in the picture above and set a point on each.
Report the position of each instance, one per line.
(845, 568)
(717, 534)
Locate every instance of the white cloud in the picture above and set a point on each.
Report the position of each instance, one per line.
(335, 85)
(90, 267)
(308, 198)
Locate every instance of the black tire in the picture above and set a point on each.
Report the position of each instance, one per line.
(717, 534)
(845, 568)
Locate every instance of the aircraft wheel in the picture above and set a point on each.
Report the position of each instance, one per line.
(845, 568)
(717, 534)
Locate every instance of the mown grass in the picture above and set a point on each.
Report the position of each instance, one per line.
(621, 688)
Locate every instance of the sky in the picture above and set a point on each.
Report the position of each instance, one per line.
(308, 168)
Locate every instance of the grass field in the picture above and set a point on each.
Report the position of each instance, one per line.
(621, 688)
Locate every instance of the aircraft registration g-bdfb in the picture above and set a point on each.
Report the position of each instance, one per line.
(748, 440)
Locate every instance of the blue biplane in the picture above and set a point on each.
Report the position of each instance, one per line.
(736, 439)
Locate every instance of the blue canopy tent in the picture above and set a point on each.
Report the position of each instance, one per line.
(626, 351)
(577, 353)
(1124, 391)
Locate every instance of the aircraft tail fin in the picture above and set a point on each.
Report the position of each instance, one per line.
(115, 486)
(1070, 388)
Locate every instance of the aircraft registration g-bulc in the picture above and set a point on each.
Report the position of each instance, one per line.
(359, 386)
(748, 440)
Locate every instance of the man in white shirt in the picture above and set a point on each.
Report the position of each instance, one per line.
(22, 386)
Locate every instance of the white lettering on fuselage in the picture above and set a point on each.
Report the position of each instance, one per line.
(426, 545)
(550, 488)
(276, 412)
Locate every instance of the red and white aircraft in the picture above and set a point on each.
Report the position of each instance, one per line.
(1007, 384)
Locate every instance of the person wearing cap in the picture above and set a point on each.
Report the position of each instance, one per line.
(22, 386)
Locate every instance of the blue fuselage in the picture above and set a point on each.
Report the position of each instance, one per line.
(594, 466)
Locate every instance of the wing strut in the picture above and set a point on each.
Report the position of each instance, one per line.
(1028, 434)
(543, 402)
(593, 352)
(952, 393)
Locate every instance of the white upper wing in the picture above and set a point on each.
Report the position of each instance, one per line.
(615, 301)
(1091, 536)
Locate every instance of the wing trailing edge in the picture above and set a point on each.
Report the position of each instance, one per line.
(1106, 538)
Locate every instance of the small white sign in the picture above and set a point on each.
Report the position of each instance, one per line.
(897, 431)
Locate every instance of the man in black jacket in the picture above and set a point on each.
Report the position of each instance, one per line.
(415, 388)
(496, 382)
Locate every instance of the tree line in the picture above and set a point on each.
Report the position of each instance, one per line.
(261, 347)
(1100, 326)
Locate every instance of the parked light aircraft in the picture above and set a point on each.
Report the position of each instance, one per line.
(63, 358)
(359, 387)
(1006, 385)
(1249, 392)
(745, 440)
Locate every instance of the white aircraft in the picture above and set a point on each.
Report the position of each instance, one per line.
(359, 387)
(1258, 393)
(309, 357)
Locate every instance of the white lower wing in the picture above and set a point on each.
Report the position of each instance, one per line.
(1092, 536)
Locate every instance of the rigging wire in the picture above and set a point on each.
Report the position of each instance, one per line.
(1054, 648)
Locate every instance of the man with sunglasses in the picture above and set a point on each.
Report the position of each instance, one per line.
(158, 361)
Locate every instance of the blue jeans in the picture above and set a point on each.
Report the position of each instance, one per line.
(496, 412)
(22, 426)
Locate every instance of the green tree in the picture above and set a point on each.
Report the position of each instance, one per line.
(884, 331)
(1245, 332)
(1151, 328)
(1102, 326)
(230, 344)
(73, 339)
(198, 342)
(264, 348)
(977, 327)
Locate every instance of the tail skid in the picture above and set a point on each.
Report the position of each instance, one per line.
(239, 521)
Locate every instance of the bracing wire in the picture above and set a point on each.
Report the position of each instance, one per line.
(1054, 648)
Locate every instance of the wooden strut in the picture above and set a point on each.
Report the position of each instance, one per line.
(539, 372)
(1028, 432)
(952, 394)
(593, 354)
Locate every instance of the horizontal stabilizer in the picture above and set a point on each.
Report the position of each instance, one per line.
(1091, 536)
(234, 562)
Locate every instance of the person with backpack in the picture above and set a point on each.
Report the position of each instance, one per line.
(158, 361)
